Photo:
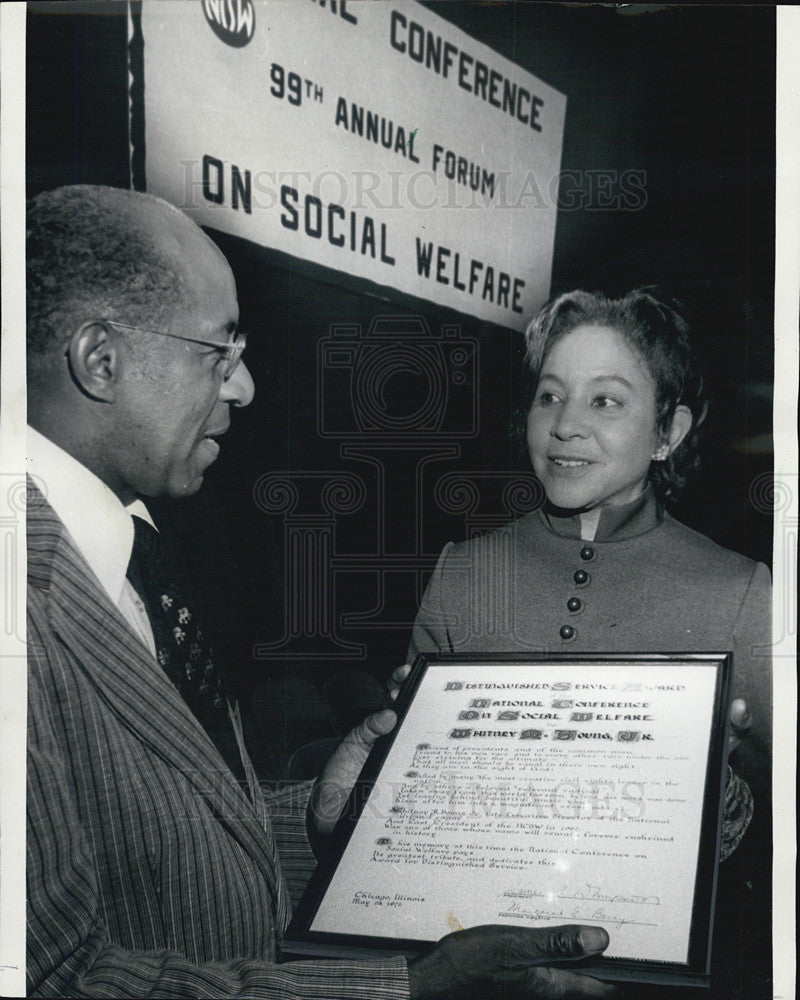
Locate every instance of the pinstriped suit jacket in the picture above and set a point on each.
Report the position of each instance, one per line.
(150, 872)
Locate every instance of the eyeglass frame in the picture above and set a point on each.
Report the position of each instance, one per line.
(233, 348)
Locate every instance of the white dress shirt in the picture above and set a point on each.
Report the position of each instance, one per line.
(98, 523)
(101, 527)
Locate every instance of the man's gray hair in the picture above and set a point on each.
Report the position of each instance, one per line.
(93, 253)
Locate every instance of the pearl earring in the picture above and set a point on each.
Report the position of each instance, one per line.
(661, 453)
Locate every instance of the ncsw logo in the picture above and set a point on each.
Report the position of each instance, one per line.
(233, 21)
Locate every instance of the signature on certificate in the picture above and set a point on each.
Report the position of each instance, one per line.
(583, 901)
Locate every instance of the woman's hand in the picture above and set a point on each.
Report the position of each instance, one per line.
(396, 680)
(741, 721)
(336, 782)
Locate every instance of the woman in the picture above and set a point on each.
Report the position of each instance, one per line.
(612, 432)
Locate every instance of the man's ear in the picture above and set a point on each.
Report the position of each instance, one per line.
(681, 425)
(94, 360)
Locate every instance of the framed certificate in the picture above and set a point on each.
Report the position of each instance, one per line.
(536, 791)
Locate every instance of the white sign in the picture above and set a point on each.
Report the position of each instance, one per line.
(372, 138)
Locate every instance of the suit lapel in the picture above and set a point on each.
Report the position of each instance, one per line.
(129, 680)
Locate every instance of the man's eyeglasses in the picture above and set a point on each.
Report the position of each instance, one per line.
(232, 350)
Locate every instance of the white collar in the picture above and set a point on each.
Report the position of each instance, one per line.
(99, 524)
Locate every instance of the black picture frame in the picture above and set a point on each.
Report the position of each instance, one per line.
(301, 940)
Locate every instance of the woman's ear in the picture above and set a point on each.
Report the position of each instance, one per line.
(679, 427)
(93, 360)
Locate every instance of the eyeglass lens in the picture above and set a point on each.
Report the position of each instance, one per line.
(235, 349)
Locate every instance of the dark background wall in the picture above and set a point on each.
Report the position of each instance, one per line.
(683, 95)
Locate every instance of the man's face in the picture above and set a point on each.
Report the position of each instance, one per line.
(174, 402)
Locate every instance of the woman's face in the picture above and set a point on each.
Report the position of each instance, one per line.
(592, 427)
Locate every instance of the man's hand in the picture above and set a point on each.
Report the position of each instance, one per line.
(741, 721)
(336, 782)
(508, 962)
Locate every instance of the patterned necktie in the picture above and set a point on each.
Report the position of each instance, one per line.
(182, 648)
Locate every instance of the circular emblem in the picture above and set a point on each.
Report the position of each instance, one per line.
(232, 21)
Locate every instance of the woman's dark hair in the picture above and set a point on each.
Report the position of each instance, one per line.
(657, 327)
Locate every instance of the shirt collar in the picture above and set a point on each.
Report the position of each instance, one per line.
(99, 524)
(617, 521)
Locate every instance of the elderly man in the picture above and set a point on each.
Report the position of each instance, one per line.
(151, 871)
